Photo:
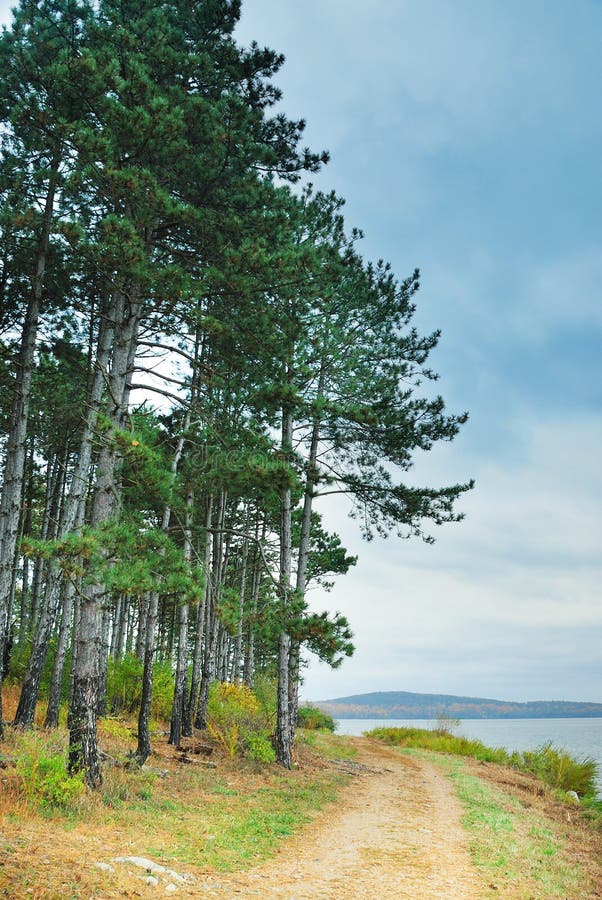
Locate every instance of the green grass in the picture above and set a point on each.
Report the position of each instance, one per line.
(592, 808)
(515, 848)
(329, 745)
(224, 826)
(554, 767)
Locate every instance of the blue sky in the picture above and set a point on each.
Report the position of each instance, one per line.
(466, 138)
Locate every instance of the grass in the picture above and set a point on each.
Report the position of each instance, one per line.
(209, 819)
(554, 767)
(521, 852)
(592, 810)
(326, 744)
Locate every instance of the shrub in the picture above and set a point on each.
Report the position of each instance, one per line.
(312, 718)
(124, 686)
(116, 729)
(235, 719)
(560, 770)
(43, 776)
(259, 748)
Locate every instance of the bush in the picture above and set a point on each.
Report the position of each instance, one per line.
(560, 770)
(236, 720)
(43, 776)
(124, 686)
(259, 748)
(314, 719)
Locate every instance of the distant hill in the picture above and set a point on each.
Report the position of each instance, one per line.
(405, 705)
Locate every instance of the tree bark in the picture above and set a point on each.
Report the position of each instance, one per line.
(200, 625)
(180, 688)
(143, 749)
(56, 681)
(219, 562)
(83, 744)
(14, 466)
(237, 655)
(284, 727)
(47, 610)
(303, 555)
(72, 517)
(249, 669)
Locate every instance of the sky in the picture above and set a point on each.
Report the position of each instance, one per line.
(466, 139)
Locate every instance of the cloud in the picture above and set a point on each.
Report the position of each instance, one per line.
(507, 595)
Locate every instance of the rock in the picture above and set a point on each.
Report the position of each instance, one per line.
(154, 868)
(106, 867)
(170, 888)
(152, 770)
(573, 795)
(152, 880)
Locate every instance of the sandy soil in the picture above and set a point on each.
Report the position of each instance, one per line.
(397, 835)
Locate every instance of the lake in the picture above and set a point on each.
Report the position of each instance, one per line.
(579, 737)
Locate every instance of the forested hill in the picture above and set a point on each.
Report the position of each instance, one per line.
(405, 705)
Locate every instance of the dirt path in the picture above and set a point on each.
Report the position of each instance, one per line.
(397, 835)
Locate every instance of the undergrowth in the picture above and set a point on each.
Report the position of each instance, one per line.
(220, 818)
(554, 767)
(239, 722)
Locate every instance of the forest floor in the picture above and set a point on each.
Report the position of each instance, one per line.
(402, 825)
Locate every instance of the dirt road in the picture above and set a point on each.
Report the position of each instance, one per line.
(397, 834)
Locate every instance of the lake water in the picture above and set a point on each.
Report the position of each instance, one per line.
(579, 737)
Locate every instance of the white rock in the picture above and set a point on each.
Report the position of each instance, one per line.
(170, 888)
(140, 861)
(151, 866)
(106, 867)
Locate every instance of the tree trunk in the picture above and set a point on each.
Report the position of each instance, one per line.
(180, 691)
(23, 611)
(54, 698)
(237, 655)
(103, 660)
(117, 631)
(211, 632)
(249, 672)
(14, 465)
(284, 726)
(144, 748)
(45, 619)
(200, 626)
(303, 556)
(141, 633)
(83, 745)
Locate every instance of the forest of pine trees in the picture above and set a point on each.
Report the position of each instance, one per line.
(192, 353)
